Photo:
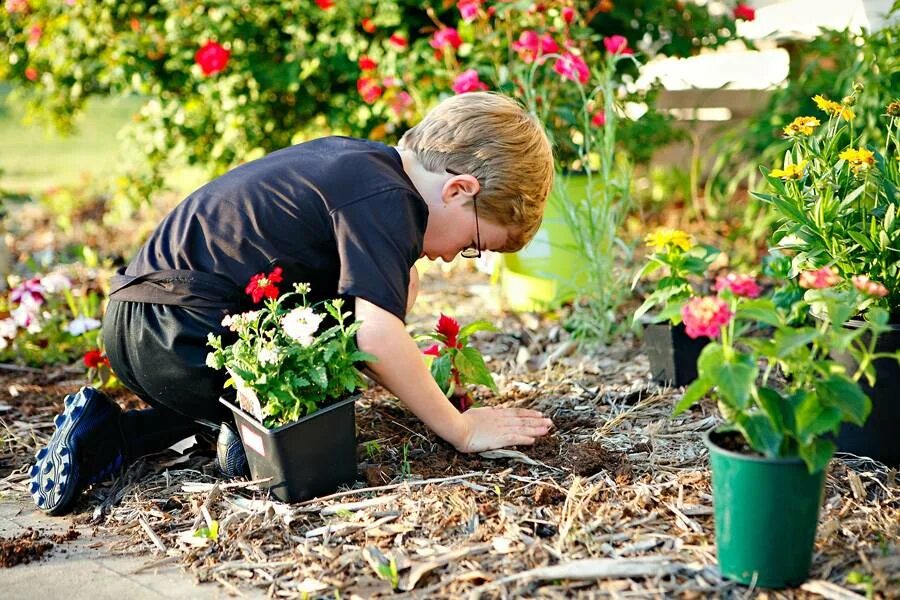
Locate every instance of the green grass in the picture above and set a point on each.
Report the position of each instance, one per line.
(33, 159)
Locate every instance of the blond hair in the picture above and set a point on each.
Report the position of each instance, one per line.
(494, 139)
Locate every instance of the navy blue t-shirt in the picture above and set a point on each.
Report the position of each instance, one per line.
(338, 213)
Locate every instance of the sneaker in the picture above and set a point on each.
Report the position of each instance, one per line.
(86, 447)
(230, 453)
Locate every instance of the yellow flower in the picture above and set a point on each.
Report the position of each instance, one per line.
(860, 159)
(801, 126)
(835, 109)
(789, 171)
(663, 237)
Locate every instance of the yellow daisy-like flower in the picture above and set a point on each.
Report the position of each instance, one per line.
(801, 126)
(789, 171)
(663, 237)
(860, 159)
(833, 108)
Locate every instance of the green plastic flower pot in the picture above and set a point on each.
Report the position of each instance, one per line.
(548, 271)
(766, 512)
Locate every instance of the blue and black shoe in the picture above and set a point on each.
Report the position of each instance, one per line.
(230, 453)
(86, 448)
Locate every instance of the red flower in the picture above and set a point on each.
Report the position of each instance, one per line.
(368, 25)
(325, 4)
(468, 81)
(398, 41)
(432, 350)
(740, 285)
(571, 66)
(448, 36)
(262, 285)
(742, 11)
(449, 328)
(367, 64)
(212, 57)
(369, 89)
(617, 44)
(135, 25)
(568, 14)
(95, 358)
(31, 74)
(705, 316)
(599, 119)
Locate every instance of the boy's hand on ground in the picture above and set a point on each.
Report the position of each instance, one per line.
(490, 428)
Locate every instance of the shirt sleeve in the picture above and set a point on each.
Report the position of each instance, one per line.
(379, 238)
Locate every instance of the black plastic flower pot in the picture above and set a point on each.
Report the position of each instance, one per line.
(879, 437)
(766, 512)
(309, 458)
(673, 355)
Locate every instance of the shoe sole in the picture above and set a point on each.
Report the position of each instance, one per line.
(54, 475)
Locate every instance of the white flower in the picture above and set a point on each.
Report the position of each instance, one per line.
(56, 282)
(235, 322)
(25, 317)
(82, 325)
(268, 356)
(301, 324)
(8, 328)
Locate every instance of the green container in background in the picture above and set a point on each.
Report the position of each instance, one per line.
(548, 271)
(766, 513)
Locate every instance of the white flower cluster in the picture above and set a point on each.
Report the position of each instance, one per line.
(236, 322)
(301, 325)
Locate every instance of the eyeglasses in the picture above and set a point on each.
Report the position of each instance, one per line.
(471, 251)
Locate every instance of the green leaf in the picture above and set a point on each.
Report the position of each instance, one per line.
(761, 310)
(440, 371)
(813, 418)
(788, 340)
(816, 454)
(736, 378)
(777, 408)
(472, 369)
(708, 363)
(760, 433)
(694, 392)
(840, 392)
(473, 327)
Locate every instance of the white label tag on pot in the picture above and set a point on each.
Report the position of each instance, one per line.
(252, 440)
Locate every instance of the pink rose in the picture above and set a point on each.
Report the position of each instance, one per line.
(869, 287)
(448, 36)
(468, 9)
(212, 58)
(468, 81)
(617, 44)
(571, 66)
(568, 14)
(530, 45)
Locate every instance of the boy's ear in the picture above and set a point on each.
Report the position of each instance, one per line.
(460, 184)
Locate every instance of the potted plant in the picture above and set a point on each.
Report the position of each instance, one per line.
(836, 202)
(782, 398)
(672, 351)
(454, 364)
(296, 389)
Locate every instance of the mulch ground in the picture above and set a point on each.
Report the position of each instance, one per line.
(615, 501)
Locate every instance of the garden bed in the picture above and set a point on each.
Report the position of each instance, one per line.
(615, 501)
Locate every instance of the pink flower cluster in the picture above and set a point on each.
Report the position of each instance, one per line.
(572, 67)
(869, 287)
(739, 285)
(446, 37)
(705, 316)
(468, 81)
(818, 279)
(468, 9)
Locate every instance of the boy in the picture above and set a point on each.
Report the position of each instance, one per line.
(350, 217)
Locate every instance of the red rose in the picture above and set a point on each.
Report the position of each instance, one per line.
(398, 41)
(325, 4)
(367, 64)
(369, 89)
(212, 57)
(262, 285)
(31, 74)
(368, 25)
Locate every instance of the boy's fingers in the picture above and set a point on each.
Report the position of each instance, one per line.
(519, 440)
(533, 431)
